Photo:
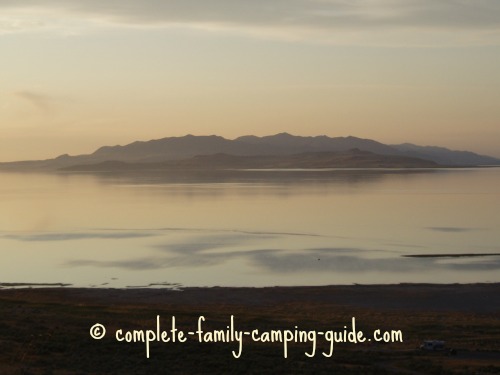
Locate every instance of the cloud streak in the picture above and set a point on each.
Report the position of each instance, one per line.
(335, 21)
(37, 100)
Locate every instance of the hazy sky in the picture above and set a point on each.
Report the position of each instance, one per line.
(79, 74)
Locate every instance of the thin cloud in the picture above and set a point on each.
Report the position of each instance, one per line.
(337, 21)
(38, 100)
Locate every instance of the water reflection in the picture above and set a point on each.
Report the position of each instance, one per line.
(250, 228)
(76, 236)
(212, 250)
(453, 229)
(282, 180)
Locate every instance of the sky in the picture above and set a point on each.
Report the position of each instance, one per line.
(79, 74)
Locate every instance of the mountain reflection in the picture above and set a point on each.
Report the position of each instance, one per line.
(276, 182)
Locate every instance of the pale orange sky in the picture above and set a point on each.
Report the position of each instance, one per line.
(76, 75)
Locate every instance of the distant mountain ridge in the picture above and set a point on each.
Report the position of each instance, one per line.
(445, 156)
(189, 146)
(280, 144)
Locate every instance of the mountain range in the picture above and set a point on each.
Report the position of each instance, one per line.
(276, 151)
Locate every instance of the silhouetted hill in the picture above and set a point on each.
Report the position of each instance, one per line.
(280, 144)
(173, 148)
(445, 156)
(189, 146)
(285, 143)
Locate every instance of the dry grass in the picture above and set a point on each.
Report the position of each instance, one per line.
(46, 331)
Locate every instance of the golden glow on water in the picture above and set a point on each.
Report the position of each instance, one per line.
(331, 228)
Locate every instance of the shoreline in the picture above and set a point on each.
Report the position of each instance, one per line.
(472, 297)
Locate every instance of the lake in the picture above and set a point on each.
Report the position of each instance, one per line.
(250, 228)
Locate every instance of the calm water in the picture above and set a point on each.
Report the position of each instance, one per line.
(250, 228)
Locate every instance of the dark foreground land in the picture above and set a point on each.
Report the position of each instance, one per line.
(47, 331)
